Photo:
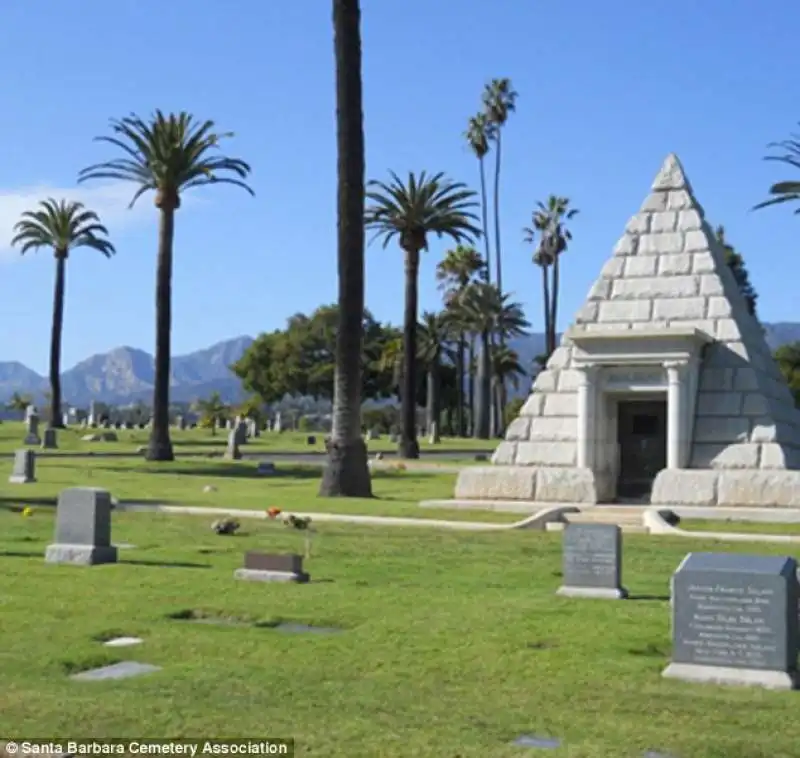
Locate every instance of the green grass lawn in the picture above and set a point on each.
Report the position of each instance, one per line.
(200, 441)
(454, 645)
(729, 525)
(181, 482)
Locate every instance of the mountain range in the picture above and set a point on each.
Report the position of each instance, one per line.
(125, 375)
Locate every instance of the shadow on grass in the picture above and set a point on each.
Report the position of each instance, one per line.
(165, 564)
(218, 442)
(231, 470)
(17, 504)
(21, 554)
(651, 598)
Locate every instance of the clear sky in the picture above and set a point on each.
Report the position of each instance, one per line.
(606, 91)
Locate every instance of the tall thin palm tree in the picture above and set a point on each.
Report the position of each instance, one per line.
(346, 471)
(168, 154)
(454, 273)
(409, 212)
(433, 347)
(479, 132)
(490, 312)
(62, 226)
(787, 191)
(499, 101)
(549, 220)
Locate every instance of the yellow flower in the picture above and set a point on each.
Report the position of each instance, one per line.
(27, 511)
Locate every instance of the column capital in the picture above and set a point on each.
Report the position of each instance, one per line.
(674, 365)
(586, 373)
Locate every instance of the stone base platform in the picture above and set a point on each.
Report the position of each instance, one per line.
(604, 593)
(742, 488)
(256, 575)
(771, 680)
(532, 483)
(80, 555)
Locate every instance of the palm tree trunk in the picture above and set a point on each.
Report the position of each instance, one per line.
(56, 420)
(485, 217)
(471, 385)
(409, 447)
(460, 350)
(434, 390)
(482, 415)
(499, 267)
(546, 297)
(346, 472)
(159, 447)
(554, 305)
(429, 417)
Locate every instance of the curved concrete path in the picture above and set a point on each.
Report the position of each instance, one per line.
(535, 521)
(655, 520)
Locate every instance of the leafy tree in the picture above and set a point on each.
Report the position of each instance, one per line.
(512, 410)
(454, 273)
(19, 402)
(549, 223)
(736, 264)
(62, 226)
(346, 472)
(409, 212)
(499, 101)
(169, 154)
(788, 360)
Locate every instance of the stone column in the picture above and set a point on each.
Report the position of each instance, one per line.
(675, 414)
(587, 392)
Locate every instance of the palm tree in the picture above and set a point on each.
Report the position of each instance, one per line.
(454, 274)
(169, 154)
(19, 402)
(433, 338)
(499, 101)
(62, 226)
(346, 472)
(549, 221)
(479, 131)
(505, 368)
(786, 191)
(410, 212)
(490, 312)
(212, 411)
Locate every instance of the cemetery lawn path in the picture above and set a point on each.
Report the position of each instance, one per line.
(453, 645)
(200, 441)
(744, 527)
(237, 485)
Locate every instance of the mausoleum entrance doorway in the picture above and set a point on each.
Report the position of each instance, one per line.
(642, 445)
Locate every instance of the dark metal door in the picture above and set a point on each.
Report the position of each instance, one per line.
(642, 438)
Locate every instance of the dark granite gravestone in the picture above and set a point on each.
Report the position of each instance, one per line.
(592, 561)
(83, 528)
(271, 567)
(734, 620)
(49, 439)
(24, 471)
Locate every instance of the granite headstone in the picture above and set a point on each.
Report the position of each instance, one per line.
(735, 620)
(592, 561)
(24, 471)
(272, 567)
(83, 528)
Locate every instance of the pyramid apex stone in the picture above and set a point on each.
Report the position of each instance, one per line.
(671, 176)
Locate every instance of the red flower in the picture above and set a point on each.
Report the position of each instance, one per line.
(273, 512)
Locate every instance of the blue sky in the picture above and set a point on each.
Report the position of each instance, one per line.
(606, 91)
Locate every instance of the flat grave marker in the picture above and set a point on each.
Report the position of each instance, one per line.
(592, 562)
(272, 567)
(122, 670)
(735, 620)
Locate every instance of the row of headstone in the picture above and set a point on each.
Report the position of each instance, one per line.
(734, 616)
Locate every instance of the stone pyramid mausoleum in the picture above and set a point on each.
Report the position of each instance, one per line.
(663, 390)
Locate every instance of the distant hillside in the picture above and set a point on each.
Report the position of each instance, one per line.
(125, 374)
